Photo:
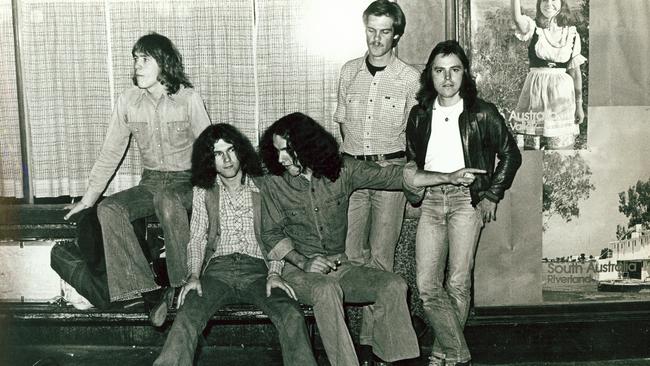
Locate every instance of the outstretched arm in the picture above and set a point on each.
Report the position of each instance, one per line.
(461, 177)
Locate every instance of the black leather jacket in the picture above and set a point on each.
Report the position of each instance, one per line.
(484, 135)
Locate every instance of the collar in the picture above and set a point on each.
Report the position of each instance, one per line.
(145, 95)
(458, 107)
(298, 182)
(392, 68)
(248, 184)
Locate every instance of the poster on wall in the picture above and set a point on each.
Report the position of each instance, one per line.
(596, 212)
(530, 58)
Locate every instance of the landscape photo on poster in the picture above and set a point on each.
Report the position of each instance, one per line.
(534, 90)
(596, 212)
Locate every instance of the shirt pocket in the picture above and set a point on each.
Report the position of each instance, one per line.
(180, 133)
(140, 130)
(295, 222)
(355, 106)
(392, 110)
(336, 201)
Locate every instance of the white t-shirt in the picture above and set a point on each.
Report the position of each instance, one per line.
(445, 148)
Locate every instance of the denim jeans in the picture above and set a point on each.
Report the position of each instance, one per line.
(67, 261)
(446, 238)
(169, 196)
(374, 226)
(236, 278)
(393, 336)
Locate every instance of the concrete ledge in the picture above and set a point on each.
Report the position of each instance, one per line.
(17, 312)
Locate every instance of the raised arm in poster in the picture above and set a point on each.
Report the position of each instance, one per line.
(550, 103)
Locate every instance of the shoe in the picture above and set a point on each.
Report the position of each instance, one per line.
(435, 361)
(158, 313)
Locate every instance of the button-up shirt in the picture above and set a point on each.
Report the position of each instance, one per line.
(310, 216)
(373, 110)
(237, 234)
(164, 130)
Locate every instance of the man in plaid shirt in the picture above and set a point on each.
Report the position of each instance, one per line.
(376, 93)
(226, 260)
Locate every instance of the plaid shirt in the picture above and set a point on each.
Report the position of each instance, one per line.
(373, 110)
(236, 227)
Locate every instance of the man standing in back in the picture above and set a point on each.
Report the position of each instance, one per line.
(376, 93)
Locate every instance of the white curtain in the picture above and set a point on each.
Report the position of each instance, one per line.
(301, 46)
(10, 158)
(64, 59)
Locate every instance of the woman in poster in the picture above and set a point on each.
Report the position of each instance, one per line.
(550, 103)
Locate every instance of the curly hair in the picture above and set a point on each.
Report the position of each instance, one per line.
(204, 171)
(563, 18)
(427, 93)
(307, 142)
(390, 9)
(172, 72)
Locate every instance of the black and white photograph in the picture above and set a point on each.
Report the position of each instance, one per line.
(324, 182)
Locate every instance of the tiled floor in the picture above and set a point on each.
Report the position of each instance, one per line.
(210, 356)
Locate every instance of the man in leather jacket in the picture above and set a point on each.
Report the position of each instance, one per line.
(451, 129)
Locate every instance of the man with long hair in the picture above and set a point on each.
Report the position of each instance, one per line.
(375, 94)
(305, 221)
(226, 260)
(164, 115)
(450, 130)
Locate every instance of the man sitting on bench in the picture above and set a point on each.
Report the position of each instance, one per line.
(225, 256)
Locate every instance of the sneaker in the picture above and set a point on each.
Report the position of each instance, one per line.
(158, 313)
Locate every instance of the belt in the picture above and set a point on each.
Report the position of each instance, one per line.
(378, 157)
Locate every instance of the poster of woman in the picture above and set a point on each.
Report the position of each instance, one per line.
(531, 57)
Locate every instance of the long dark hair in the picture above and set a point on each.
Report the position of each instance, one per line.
(307, 142)
(427, 93)
(172, 73)
(204, 172)
(563, 17)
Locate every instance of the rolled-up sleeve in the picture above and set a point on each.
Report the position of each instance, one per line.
(275, 267)
(273, 236)
(413, 193)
